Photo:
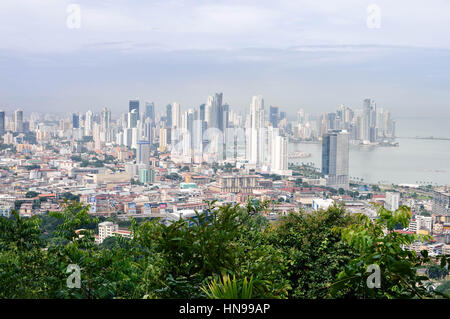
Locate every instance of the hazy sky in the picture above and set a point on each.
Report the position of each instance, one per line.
(301, 53)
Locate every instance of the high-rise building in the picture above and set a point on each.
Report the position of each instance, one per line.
(127, 137)
(279, 156)
(223, 117)
(214, 112)
(202, 112)
(134, 105)
(392, 200)
(164, 138)
(274, 115)
(88, 124)
(135, 137)
(143, 152)
(176, 115)
(133, 117)
(105, 119)
(335, 158)
(146, 175)
(75, 120)
(2, 122)
(148, 130)
(256, 132)
(149, 111)
(18, 121)
(169, 115)
(369, 120)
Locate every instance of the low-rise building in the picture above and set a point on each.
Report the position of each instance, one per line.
(319, 203)
(238, 183)
(5, 210)
(109, 229)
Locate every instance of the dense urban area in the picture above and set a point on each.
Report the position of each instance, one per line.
(171, 167)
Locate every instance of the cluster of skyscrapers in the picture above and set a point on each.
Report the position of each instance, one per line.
(367, 125)
(213, 132)
(16, 125)
(210, 133)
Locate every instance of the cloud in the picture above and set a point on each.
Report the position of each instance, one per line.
(40, 26)
(225, 19)
(292, 50)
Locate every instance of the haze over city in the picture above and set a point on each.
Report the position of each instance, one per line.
(298, 54)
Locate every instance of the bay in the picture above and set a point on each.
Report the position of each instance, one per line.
(414, 161)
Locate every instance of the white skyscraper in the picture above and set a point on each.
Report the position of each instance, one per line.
(256, 132)
(257, 112)
(279, 163)
(208, 109)
(276, 152)
(392, 200)
(127, 137)
(135, 136)
(176, 115)
(88, 124)
(133, 117)
(96, 135)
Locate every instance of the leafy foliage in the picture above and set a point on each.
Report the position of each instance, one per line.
(229, 289)
(377, 243)
(314, 253)
(229, 251)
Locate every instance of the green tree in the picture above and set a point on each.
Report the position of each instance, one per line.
(22, 260)
(377, 243)
(314, 253)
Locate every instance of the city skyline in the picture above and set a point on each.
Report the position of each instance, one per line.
(214, 133)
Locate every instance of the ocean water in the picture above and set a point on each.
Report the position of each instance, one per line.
(414, 161)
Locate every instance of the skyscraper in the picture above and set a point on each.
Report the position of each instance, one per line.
(202, 113)
(214, 110)
(148, 130)
(134, 105)
(169, 115)
(143, 152)
(223, 117)
(164, 138)
(133, 117)
(149, 111)
(335, 158)
(278, 156)
(18, 121)
(369, 120)
(255, 135)
(274, 116)
(176, 115)
(105, 119)
(2, 122)
(75, 120)
(392, 200)
(88, 122)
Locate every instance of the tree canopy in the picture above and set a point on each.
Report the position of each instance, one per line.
(230, 251)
